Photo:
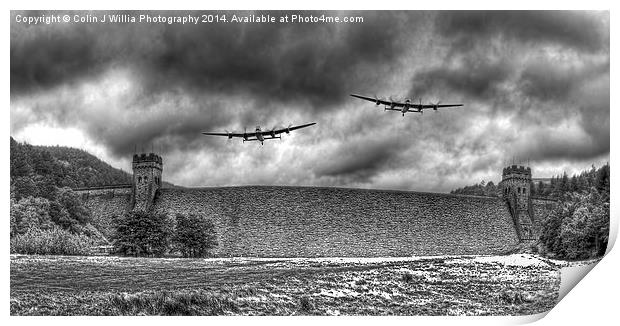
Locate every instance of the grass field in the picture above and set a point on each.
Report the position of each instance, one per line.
(468, 285)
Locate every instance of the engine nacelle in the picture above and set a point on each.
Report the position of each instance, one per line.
(273, 134)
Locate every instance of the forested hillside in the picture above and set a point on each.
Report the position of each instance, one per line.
(37, 170)
(47, 217)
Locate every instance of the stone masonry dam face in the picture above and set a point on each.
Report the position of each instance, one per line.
(286, 221)
(270, 221)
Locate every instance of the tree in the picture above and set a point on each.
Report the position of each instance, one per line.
(563, 185)
(542, 190)
(30, 213)
(579, 226)
(194, 235)
(574, 184)
(73, 205)
(143, 234)
(574, 234)
(550, 233)
(582, 183)
(24, 186)
(602, 179)
(490, 189)
(533, 190)
(12, 217)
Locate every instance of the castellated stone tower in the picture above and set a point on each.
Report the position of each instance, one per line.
(147, 170)
(515, 188)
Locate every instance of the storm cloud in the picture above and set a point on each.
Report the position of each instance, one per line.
(535, 85)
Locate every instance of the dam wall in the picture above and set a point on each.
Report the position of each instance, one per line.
(268, 221)
(281, 221)
(105, 204)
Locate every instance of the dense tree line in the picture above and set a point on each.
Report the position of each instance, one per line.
(557, 187)
(561, 185)
(155, 234)
(481, 189)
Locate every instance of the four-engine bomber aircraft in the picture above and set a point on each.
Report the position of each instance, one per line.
(406, 106)
(259, 135)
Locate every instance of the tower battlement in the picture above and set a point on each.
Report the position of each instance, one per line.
(517, 171)
(147, 158)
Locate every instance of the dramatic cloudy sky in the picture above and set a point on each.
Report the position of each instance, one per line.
(535, 86)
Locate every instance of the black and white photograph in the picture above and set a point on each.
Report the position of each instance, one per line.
(306, 163)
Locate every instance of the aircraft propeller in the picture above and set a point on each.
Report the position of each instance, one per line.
(391, 103)
(435, 105)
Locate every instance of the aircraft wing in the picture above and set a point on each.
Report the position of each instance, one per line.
(225, 134)
(379, 101)
(432, 106)
(279, 131)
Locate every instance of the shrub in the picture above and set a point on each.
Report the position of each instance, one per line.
(55, 241)
(143, 234)
(194, 235)
(171, 303)
(512, 297)
(305, 304)
(408, 278)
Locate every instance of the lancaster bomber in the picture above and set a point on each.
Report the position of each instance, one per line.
(258, 134)
(407, 105)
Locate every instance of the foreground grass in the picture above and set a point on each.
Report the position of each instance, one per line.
(128, 286)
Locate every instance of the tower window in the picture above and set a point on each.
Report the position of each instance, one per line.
(139, 179)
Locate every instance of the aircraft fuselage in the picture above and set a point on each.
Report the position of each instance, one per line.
(258, 136)
(405, 107)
